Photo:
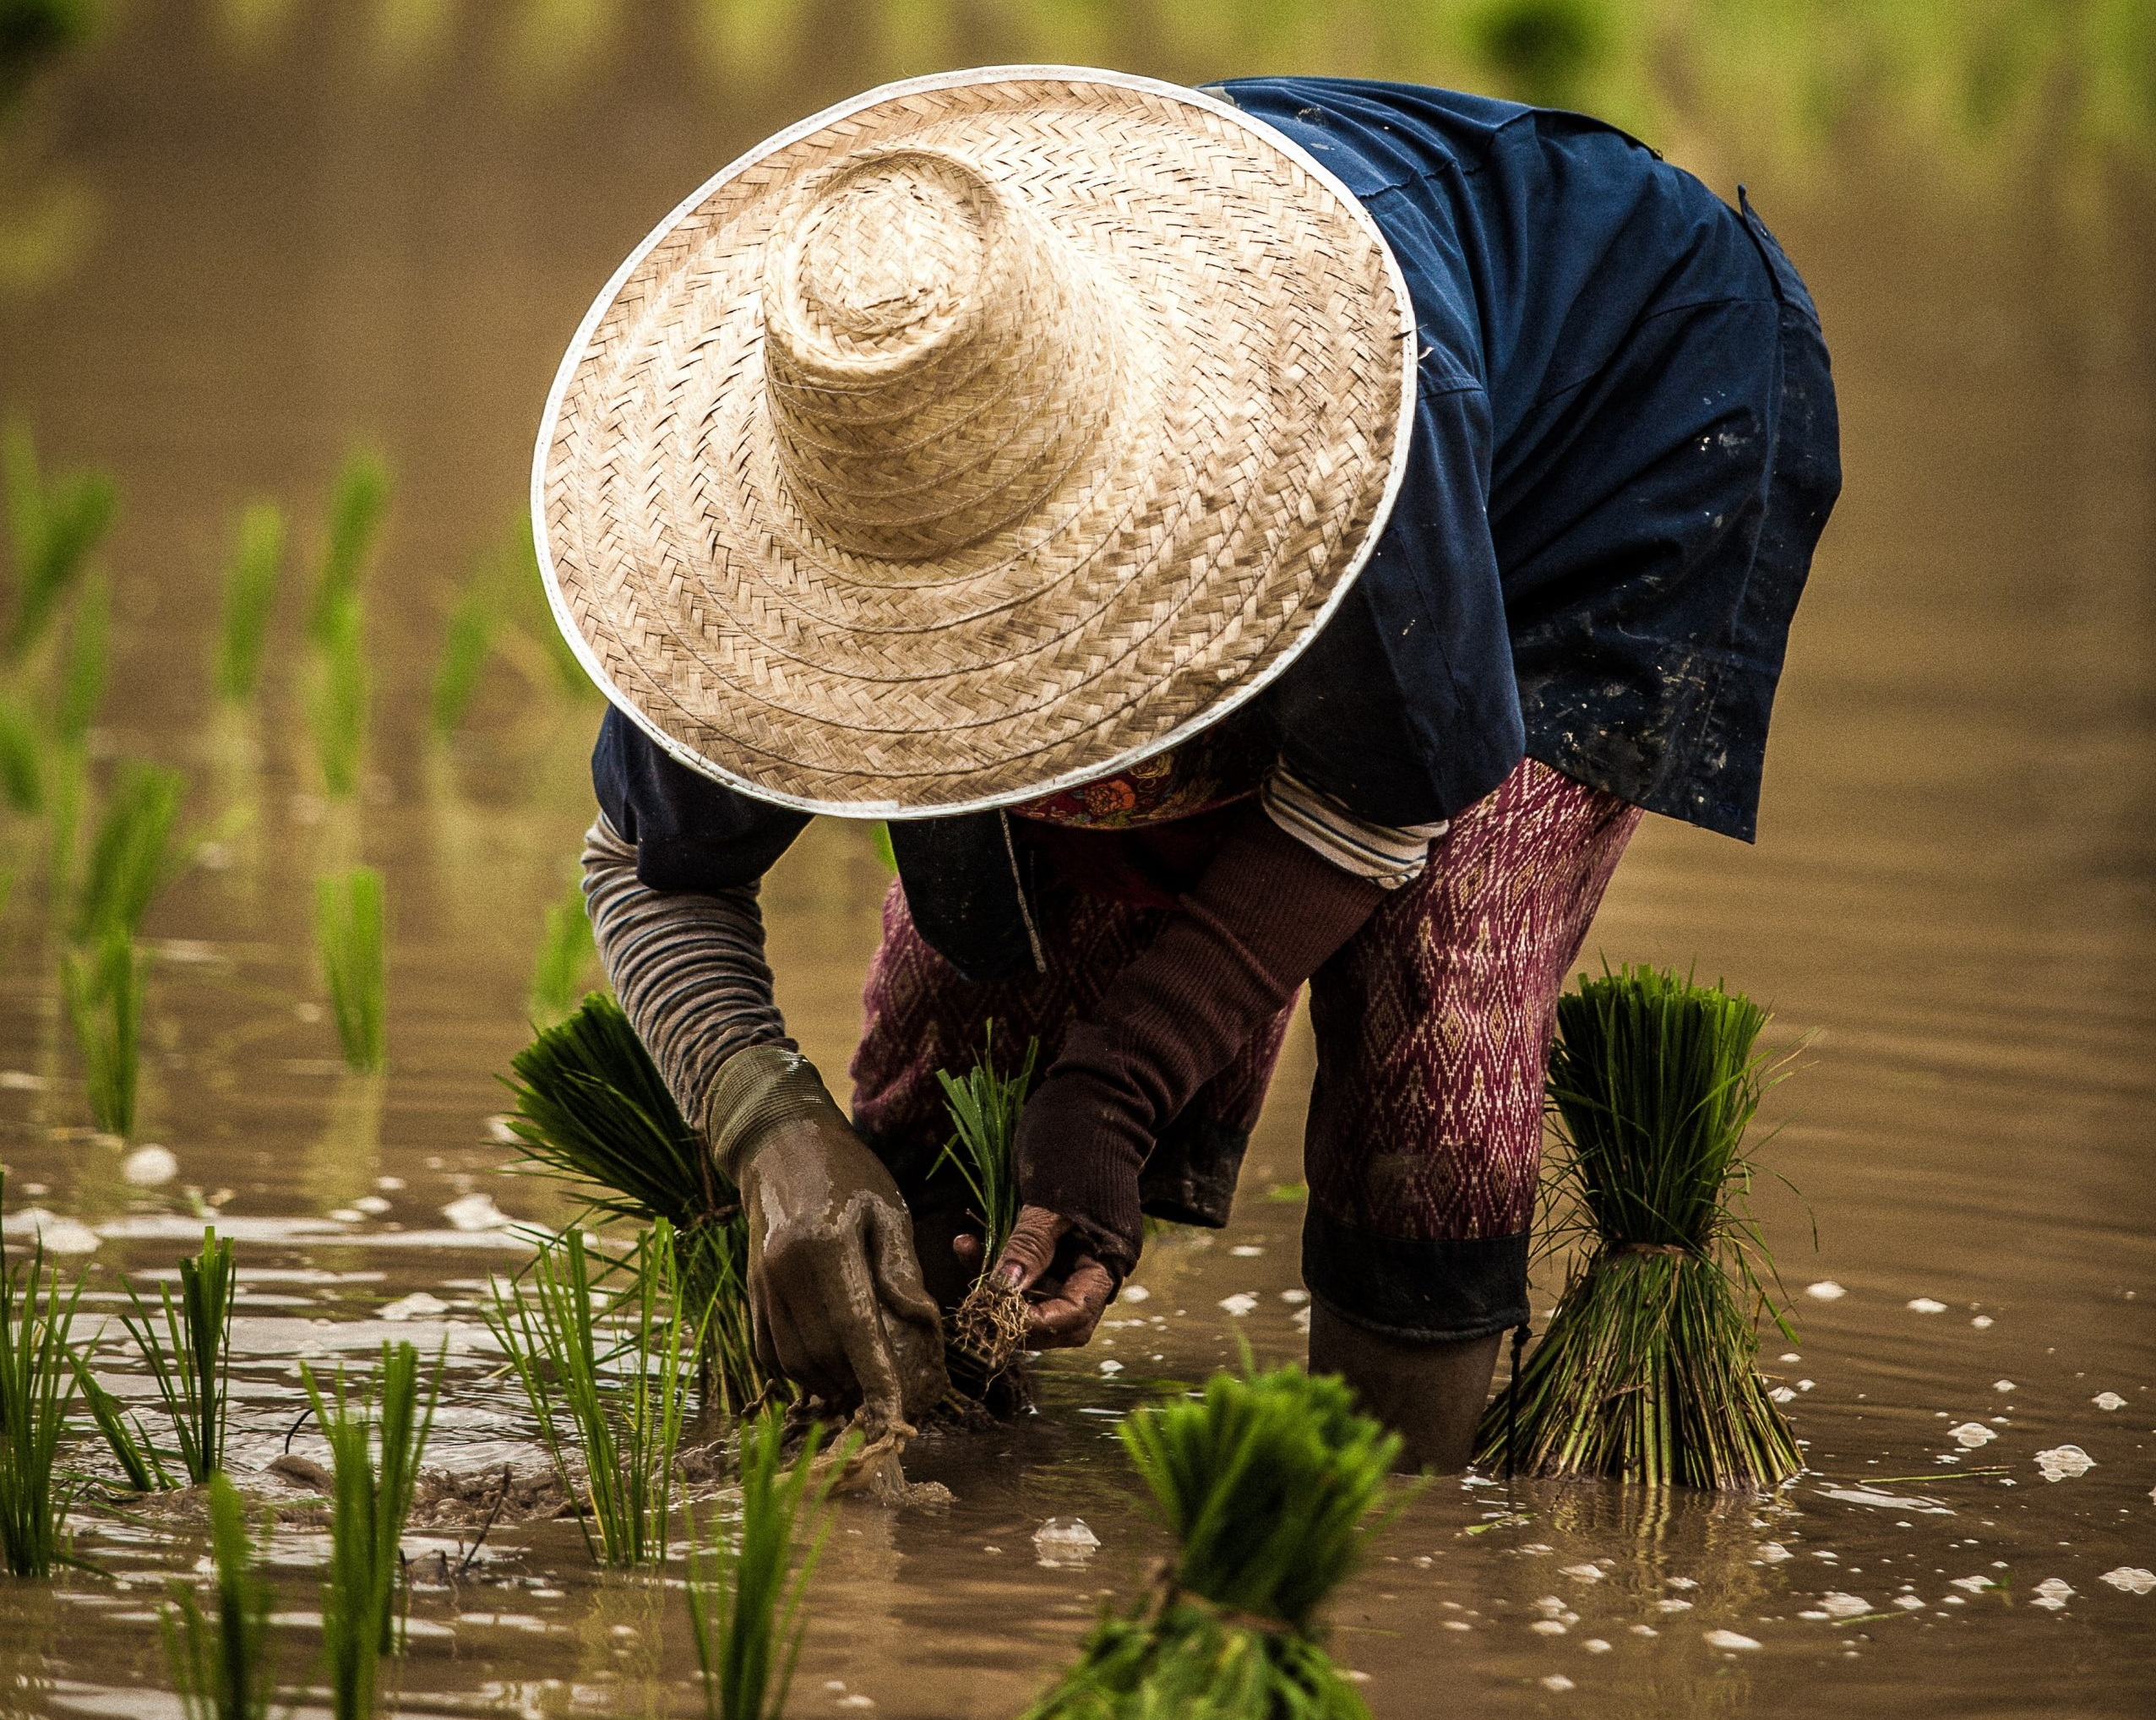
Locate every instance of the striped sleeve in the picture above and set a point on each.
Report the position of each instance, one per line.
(1388, 855)
(688, 968)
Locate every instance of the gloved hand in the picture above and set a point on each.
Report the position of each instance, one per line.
(835, 1291)
(1266, 914)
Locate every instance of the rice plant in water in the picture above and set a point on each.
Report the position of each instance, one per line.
(189, 1358)
(337, 698)
(252, 575)
(1647, 1372)
(989, 1330)
(131, 855)
(102, 987)
(566, 954)
(222, 1665)
(37, 1391)
(745, 1595)
(465, 643)
(138, 1457)
(1269, 1482)
(377, 1435)
(22, 763)
(350, 936)
(358, 503)
(54, 526)
(604, 1378)
(86, 665)
(593, 1110)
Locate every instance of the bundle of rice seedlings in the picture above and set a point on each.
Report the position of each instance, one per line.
(604, 1381)
(593, 1110)
(54, 526)
(37, 1391)
(189, 1361)
(102, 989)
(745, 1595)
(566, 954)
(221, 1666)
(349, 936)
(252, 576)
(337, 697)
(989, 1330)
(1268, 1483)
(131, 856)
(357, 502)
(1646, 1372)
(377, 1435)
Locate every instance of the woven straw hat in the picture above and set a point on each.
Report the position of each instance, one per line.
(976, 437)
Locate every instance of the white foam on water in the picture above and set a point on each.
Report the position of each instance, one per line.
(1825, 1290)
(1925, 1304)
(2108, 1400)
(2134, 1579)
(1732, 1639)
(2064, 1462)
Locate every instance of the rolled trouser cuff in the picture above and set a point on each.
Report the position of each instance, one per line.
(1441, 1290)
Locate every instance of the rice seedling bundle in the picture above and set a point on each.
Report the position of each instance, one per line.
(377, 1435)
(37, 1391)
(1646, 1371)
(566, 954)
(222, 1665)
(337, 699)
(988, 1329)
(189, 1359)
(54, 526)
(252, 576)
(103, 988)
(131, 856)
(350, 936)
(745, 1595)
(605, 1381)
(1269, 1482)
(593, 1110)
(357, 502)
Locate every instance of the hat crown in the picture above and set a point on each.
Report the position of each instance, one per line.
(936, 356)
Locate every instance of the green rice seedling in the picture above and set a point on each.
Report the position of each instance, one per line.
(102, 987)
(252, 573)
(189, 1361)
(86, 666)
(358, 503)
(593, 1110)
(131, 856)
(132, 1449)
(988, 1329)
(54, 526)
(22, 762)
(37, 1391)
(566, 954)
(337, 698)
(1646, 1371)
(221, 1666)
(350, 936)
(466, 643)
(1269, 1482)
(377, 1437)
(604, 1379)
(745, 1595)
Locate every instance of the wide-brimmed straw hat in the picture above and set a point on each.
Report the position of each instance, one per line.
(975, 438)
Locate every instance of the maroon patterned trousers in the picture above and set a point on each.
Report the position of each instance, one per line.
(1433, 1026)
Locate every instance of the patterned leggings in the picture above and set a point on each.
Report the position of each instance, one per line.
(1433, 1029)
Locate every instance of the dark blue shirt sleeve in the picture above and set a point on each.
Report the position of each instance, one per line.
(690, 832)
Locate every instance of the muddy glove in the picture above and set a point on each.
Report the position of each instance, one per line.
(1265, 914)
(835, 1291)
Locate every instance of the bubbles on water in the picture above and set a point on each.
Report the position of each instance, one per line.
(150, 1165)
(1064, 1541)
(1825, 1290)
(1585, 1573)
(1111, 1367)
(1975, 1585)
(2052, 1593)
(1971, 1434)
(60, 1236)
(1547, 1627)
(1909, 1603)
(2064, 1462)
(2004, 1386)
(1774, 1553)
(1557, 1681)
(2108, 1400)
(475, 1211)
(2133, 1579)
(1925, 1304)
(1134, 1293)
(1246, 1251)
(1982, 1322)
(1240, 1304)
(1295, 1299)
(419, 1305)
(1783, 1393)
(1837, 1604)
(1595, 1645)
(1735, 1640)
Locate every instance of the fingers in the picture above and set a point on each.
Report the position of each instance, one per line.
(852, 1313)
(1031, 1247)
(897, 1271)
(1067, 1319)
(969, 1249)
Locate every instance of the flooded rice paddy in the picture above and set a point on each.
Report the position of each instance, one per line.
(1953, 900)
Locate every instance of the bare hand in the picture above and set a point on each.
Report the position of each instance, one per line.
(1069, 1289)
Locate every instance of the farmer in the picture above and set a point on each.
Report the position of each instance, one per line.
(1280, 534)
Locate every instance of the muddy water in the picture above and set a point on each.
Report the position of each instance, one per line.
(1952, 900)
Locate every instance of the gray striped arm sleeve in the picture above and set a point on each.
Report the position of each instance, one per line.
(1390, 856)
(688, 969)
